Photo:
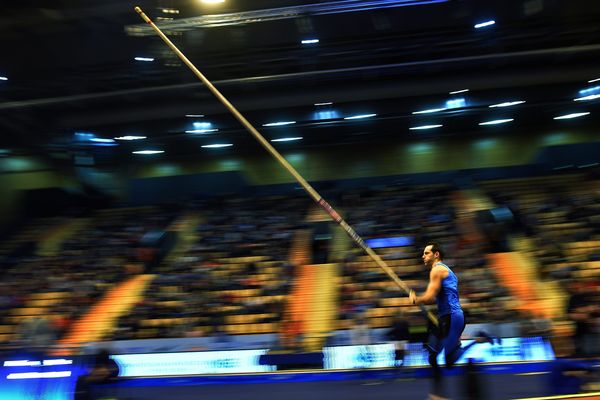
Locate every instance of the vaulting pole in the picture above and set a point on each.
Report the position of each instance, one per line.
(311, 191)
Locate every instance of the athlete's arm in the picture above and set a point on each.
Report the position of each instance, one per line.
(436, 276)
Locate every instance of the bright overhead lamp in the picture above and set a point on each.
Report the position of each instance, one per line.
(429, 111)
(100, 140)
(194, 115)
(3, 78)
(484, 24)
(148, 152)
(422, 127)
(459, 102)
(145, 59)
(310, 41)
(594, 80)
(588, 98)
(326, 103)
(287, 139)
(130, 137)
(573, 115)
(459, 91)
(280, 123)
(592, 90)
(202, 130)
(496, 121)
(361, 116)
(212, 1)
(83, 136)
(217, 145)
(507, 103)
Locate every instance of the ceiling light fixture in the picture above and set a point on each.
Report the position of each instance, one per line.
(287, 139)
(496, 121)
(422, 127)
(327, 103)
(217, 145)
(459, 102)
(145, 59)
(100, 140)
(194, 115)
(429, 111)
(459, 91)
(592, 90)
(202, 130)
(310, 41)
(148, 152)
(361, 116)
(202, 125)
(484, 24)
(280, 123)
(588, 98)
(130, 137)
(572, 115)
(507, 103)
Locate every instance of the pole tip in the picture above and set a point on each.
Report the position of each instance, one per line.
(138, 10)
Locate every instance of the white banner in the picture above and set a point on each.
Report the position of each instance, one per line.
(194, 363)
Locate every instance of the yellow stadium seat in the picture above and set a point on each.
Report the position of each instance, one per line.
(5, 337)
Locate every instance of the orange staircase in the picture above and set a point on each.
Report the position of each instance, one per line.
(323, 305)
(101, 318)
(312, 306)
(300, 250)
(295, 321)
(550, 294)
(518, 281)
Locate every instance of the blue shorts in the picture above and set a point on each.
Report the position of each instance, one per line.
(447, 337)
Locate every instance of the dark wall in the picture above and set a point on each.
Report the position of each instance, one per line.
(180, 187)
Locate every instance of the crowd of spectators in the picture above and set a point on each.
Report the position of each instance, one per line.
(561, 217)
(43, 294)
(236, 273)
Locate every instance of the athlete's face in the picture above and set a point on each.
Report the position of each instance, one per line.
(428, 256)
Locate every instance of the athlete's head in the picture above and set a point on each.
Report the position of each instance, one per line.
(432, 253)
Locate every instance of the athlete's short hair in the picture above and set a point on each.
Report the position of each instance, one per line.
(436, 247)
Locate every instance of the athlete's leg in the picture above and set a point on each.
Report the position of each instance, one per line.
(435, 344)
(452, 345)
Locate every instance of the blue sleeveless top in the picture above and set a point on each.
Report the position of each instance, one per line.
(447, 298)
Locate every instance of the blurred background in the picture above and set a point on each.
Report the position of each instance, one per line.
(138, 217)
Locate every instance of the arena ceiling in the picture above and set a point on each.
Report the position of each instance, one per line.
(70, 72)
